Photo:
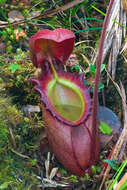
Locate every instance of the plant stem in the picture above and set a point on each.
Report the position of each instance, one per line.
(97, 77)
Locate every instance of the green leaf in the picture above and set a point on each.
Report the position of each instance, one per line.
(33, 161)
(95, 19)
(100, 86)
(98, 168)
(73, 178)
(63, 171)
(92, 69)
(113, 164)
(88, 29)
(17, 56)
(102, 67)
(98, 10)
(77, 67)
(86, 177)
(2, 1)
(104, 128)
(14, 67)
(93, 168)
(76, 8)
(4, 185)
(118, 174)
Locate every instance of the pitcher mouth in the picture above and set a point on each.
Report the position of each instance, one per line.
(64, 95)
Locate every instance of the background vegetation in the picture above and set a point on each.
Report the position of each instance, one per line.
(22, 165)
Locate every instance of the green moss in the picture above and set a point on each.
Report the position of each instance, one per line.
(17, 172)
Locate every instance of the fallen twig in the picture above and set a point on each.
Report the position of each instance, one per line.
(51, 183)
(45, 15)
(12, 137)
(19, 154)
